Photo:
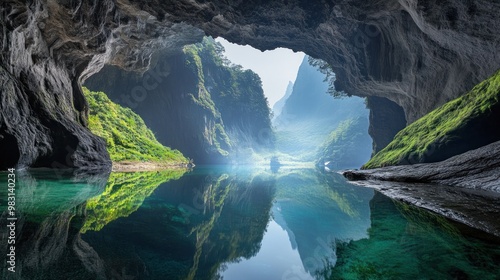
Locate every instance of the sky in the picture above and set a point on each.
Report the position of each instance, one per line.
(275, 68)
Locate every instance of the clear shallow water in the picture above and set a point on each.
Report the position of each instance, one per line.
(228, 223)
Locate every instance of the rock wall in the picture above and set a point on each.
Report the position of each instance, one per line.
(195, 102)
(418, 54)
(166, 107)
(386, 119)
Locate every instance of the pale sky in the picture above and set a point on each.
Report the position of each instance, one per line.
(275, 68)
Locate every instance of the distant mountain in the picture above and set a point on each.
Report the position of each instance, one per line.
(278, 106)
(310, 115)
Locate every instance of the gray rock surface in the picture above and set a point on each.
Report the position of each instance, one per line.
(464, 188)
(386, 120)
(476, 169)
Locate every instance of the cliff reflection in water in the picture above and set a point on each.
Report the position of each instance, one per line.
(232, 223)
(50, 211)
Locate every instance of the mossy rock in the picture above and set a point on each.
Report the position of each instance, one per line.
(127, 136)
(466, 123)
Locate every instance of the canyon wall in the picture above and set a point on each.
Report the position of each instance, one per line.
(196, 102)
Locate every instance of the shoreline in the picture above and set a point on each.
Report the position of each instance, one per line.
(139, 166)
(475, 208)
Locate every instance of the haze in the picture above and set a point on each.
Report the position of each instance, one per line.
(275, 68)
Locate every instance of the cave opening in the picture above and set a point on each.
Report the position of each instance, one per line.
(219, 102)
(312, 122)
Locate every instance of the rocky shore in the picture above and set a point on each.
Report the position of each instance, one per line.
(464, 188)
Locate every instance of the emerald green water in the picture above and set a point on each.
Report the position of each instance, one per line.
(230, 223)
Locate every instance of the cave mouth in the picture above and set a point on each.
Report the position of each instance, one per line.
(227, 103)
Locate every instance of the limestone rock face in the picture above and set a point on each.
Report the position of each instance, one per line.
(418, 54)
(476, 169)
(48, 49)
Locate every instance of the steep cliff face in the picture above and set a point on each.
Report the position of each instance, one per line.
(278, 106)
(418, 54)
(194, 102)
(175, 106)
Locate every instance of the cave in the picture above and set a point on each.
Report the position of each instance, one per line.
(406, 53)
(427, 70)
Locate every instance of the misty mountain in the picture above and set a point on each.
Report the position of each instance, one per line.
(278, 106)
(310, 115)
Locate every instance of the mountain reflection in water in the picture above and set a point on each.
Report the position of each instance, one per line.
(231, 223)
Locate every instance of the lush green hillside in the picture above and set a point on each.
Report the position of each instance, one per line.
(126, 135)
(197, 102)
(463, 124)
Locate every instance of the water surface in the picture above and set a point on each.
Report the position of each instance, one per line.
(231, 223)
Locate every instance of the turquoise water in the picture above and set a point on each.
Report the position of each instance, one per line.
(231, 223)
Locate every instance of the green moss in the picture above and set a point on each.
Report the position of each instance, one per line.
(123, 195)
(233, 96)
(127, 136)
(451, 123)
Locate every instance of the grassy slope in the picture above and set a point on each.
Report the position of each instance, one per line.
(452, 122)
(126, 135)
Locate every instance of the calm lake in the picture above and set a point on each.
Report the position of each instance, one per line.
(230, 223)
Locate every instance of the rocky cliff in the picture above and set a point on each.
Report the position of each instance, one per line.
(278, 106)
(418, 54)
(195, 101)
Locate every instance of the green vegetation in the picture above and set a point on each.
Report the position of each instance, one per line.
(453, 128)
(231, 93)
(127, 137)
(123, 195)
(348, 146)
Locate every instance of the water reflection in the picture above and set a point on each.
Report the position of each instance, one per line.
(406, 242)
(123, 195)
(50, 211)
(188, 228)
(214, 223)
